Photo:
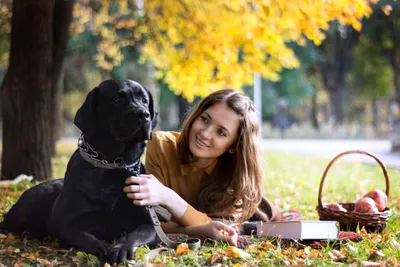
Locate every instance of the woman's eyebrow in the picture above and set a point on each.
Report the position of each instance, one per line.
(219, 125)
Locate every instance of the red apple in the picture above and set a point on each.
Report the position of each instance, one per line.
(379, 197)
(334, 206)
(366, 205)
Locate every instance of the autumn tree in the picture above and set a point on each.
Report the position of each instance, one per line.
(201, 46)
(39, 34)
(196, 46)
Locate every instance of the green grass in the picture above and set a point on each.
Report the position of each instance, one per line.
(291, 181)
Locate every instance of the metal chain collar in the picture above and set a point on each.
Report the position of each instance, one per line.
(91, 155)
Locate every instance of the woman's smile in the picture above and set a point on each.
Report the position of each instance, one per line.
(201, 143)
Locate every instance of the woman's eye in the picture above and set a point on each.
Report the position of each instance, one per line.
(205, 120)
(144, 100)
(221, 133)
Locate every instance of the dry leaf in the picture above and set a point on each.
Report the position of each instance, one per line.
(375, 253)
(11, 249)
(32, 256)
(9, 239)
(2, 236)
(314, 254)
(371, 264)
(392, 262)
(182, 249)
(43, 261)
(351, 248)
(235, 252)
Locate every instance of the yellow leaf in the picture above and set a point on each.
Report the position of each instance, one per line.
(182, 249)
(235, 252)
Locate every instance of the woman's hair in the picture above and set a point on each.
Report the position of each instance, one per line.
(235, 187)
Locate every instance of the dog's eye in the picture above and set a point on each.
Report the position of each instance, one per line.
(144, 100)
(117, 100)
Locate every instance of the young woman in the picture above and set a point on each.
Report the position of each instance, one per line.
(211, 169)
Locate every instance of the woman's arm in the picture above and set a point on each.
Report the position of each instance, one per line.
(148, 190)
(214, 230)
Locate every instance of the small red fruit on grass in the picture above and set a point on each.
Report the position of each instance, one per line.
(334, 206)
(366, 205)
(379, 197)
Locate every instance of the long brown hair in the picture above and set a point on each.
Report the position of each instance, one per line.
(235, 186)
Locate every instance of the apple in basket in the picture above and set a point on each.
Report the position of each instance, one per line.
(366, 205)
(379, 197)
(335, 206)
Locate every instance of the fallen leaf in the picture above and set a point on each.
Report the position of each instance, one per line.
(182, 249)
(235, 252)
(9, 239)
(32, 256)
(376, 253)
(316, 254)
(214, 258)
(351, 248)
(46, 249)
(43, 261)
(392, 262)
(2, 236)
(371, 264)
(11, 249)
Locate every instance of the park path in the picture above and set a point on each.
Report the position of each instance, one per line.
(331, 148)
(328, 148)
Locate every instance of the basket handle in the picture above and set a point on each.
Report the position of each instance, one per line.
(346, 153)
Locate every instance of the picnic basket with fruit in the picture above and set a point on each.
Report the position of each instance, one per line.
(370, 211)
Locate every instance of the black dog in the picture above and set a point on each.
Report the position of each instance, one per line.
(90, 209)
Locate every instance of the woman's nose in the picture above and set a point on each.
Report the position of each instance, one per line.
(205, 133)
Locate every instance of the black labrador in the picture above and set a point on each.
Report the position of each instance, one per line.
(88, 209)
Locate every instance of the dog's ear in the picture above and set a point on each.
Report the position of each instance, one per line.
(86, 117)
(151, 105)
(153, 113)
(154, 121)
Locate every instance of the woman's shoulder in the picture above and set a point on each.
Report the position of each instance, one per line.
(162, 144)
(165, 136)
(163, 141)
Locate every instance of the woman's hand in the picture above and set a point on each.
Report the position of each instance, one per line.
(145, 190)
(215, 230)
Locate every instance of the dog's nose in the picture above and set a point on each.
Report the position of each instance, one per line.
(144, 115)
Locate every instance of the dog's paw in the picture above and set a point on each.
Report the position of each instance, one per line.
(100, 249)
(120, 253)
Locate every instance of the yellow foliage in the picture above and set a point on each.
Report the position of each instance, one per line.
(182, 249)
(202, 46)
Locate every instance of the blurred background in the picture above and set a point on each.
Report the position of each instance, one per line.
(316, 70)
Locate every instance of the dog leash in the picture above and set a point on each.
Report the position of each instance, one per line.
(193, 243)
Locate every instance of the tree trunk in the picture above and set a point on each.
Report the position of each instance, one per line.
(314, 111)
(375, 115)
(25, 92)
(62, 20)
(338, 52)
(336, 102)
(184, 107)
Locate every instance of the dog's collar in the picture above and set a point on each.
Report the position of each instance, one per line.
(92, 156)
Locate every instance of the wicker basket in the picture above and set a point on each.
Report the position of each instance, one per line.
(350, 220)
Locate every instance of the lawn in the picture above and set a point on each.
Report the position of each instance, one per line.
(291, 182)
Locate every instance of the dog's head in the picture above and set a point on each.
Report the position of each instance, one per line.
(117, 113)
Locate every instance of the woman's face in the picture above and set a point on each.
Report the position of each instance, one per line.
(213, 133)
